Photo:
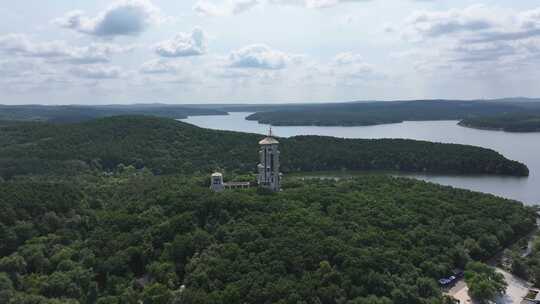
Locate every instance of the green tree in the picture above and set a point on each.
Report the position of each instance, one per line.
(519, 267)
(6, 288)
(484, 282)
(13, 264)
(156, 294)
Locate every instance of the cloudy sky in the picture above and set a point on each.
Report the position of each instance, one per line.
(208, 51)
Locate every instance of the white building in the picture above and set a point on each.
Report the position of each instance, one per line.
(269, 176)
(216, 182)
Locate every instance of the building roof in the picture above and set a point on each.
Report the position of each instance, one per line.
(269, 140)
(217, 174)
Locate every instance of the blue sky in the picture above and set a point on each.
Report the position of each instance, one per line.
(227, 51)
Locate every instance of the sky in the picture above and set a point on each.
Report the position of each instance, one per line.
(266, 51)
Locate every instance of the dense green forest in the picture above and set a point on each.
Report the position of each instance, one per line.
(118, 210)
(508, 122)
(131, 236)
(78, 113)
(167, 146)
(373, 113)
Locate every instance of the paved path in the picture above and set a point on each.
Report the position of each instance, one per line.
(460, 292)
(516, 291)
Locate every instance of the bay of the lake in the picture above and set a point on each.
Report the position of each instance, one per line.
(523, 147)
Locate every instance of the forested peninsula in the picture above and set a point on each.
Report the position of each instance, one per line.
(167, 146)
(508, 123)
(375, 113)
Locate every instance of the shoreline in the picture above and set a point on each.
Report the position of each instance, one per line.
(502, 129)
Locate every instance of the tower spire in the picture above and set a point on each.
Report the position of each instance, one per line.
(269, 176)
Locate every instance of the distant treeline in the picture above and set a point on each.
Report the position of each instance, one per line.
(78, 113)
(373, 113)
(166, 146)
(505, 122)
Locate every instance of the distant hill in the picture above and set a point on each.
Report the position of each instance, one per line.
(167, 146)
(78, 113)
(263, 107)
(373, 113)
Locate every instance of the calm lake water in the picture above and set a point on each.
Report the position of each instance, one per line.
(523, 147)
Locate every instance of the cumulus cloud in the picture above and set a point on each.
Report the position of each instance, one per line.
(353, 66)
(159, 67)
(428, 24)
(122, 18)
(16, 68)
(183, 45)
(314, 3)
(474, 24)
(475, 37)
(21, 45)
(231, 7)
(97, 72)
(259, 56)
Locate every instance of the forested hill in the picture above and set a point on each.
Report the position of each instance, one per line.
(79, 113)
(167, 146)
(137, 238)
(373, 113)
(506, 122)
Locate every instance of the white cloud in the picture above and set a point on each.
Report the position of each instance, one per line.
(474, 24)
(314, 3)
(19, 44)
(259, 56)
(159, 67)
(307, 3)
(472, 39)
(16, 68)
(231, 7)
(59, 51)
(347, 58)
(353, 66)
(97, 72)
(97, 52)
(184, 44)
(429, 24)
(122, 18)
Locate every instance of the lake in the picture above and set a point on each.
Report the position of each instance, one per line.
(523, 147)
